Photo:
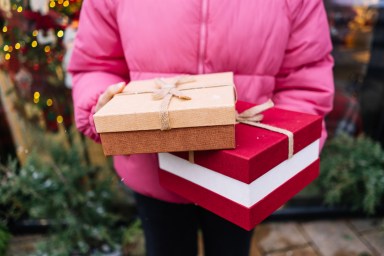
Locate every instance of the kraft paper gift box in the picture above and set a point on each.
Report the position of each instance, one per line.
(247, 184)
(196, 114)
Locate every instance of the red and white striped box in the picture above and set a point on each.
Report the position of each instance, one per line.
(247, 184)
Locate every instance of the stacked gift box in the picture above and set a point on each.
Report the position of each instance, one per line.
(247, 184)
(257, 166)
(203, 117)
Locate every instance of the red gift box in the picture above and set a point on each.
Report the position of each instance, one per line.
(247, 184)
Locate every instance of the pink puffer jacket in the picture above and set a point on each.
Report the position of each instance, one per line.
(277, 49)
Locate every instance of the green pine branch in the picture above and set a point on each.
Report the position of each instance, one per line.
(352, 173)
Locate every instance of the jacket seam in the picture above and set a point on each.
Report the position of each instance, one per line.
(110, 3)
(203, 35)
(289, 12)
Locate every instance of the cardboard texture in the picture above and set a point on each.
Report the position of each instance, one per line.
(198, 138)
(246, 184)
(130, 123)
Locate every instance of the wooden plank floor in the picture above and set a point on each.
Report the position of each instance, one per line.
(349, 237)
(358, 237)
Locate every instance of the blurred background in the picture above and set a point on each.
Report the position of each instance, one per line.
(56, 183)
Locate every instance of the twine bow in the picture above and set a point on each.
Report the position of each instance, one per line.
(253, 116)
(165, 91)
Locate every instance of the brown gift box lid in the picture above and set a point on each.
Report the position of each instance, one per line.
(212, 104)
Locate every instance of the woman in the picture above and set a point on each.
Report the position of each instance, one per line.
(278, 49)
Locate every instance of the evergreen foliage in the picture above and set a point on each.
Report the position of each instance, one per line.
(70, 194)
(352, 173)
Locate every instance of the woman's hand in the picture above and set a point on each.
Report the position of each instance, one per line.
(108, 94)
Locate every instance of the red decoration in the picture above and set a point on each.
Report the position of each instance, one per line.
(24, 79)
(23, 50)
(44, 22)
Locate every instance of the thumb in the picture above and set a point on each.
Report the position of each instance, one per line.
(117, 88)
(108, 94)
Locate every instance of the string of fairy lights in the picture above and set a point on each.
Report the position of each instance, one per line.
(39, 46)
(8, 49)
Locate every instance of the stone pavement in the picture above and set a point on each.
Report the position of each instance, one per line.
(347, 237)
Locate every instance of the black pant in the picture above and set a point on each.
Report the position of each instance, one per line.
(171, 230)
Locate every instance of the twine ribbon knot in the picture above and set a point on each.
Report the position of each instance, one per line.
(165, 91)
(253, 116)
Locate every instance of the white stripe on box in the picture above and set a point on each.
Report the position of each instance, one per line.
(237, 191)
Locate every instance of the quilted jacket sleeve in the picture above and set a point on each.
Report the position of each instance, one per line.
(305, 80)
(97, 61)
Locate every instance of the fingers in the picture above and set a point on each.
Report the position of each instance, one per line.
(108, 94)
